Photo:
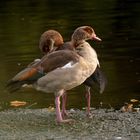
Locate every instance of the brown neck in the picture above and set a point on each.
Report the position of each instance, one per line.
(76, 43)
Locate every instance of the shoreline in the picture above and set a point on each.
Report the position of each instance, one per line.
(40, 124)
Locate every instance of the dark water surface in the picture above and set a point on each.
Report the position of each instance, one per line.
(117, 22)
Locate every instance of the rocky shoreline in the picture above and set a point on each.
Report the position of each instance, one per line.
(40, 124)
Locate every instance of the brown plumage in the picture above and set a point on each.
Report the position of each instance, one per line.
(49, 40)
(58, 59)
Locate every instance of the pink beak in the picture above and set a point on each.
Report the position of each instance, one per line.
(94, 37)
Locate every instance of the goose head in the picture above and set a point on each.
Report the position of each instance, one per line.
(82, 34)
(50, 41)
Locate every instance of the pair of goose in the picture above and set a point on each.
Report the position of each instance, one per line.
(63, 67)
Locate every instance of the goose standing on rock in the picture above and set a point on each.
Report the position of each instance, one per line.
(51, 41)
(62, 70)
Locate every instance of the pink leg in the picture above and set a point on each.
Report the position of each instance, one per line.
(59, 118)
(88, 100)
(58, 112)
(64, 101)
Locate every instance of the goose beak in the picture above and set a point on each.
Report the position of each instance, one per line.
(96, 38)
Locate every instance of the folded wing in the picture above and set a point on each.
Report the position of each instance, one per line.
(38, 69)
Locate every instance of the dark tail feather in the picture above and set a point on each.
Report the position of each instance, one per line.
(13, 86)
(26, 76)
(99, 78)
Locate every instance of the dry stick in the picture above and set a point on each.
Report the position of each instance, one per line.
(31, 105)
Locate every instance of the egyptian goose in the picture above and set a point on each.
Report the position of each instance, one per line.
(52, 40)
(48, 74)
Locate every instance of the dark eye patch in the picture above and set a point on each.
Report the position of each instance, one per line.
(89, 30)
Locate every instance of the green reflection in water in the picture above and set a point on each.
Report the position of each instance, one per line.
(116, 22)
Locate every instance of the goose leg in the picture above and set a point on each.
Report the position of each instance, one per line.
(58, 112)
(59, 118)
(64, 101)
(88, 99)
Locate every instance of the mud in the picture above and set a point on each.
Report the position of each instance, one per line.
(40, 124)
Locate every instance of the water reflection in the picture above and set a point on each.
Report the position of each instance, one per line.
(116, 22)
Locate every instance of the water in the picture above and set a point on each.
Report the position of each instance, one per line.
(116, 22)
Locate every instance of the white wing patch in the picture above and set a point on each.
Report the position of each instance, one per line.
(68, 65)
(98, 63)
(37, 60)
